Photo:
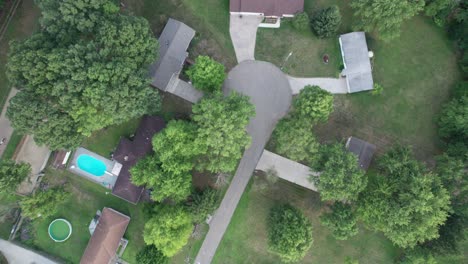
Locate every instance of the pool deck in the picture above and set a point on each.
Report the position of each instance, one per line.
(107, 180)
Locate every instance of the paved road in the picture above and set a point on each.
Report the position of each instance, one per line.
(333, 85)
(18, 255)
(5, 128)
(243, 30)
(269, 91)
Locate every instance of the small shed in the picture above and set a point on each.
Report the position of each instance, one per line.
(363, 150)
(356, 61)
(173, 44)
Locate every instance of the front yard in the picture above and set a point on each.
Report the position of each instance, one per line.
(245, 240)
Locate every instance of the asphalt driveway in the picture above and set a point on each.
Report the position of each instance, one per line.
(270, 92)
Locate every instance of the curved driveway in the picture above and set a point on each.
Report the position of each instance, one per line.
(270, 92)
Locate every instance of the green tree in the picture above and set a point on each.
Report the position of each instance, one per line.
(85, 70)
(221, 135)
(295, 140)
(203, 203)
(207, 74)
(385, 16)
(301, 21)
(417, 256)
(12, 174)
(405, 202)
(433, 7)
(43, 203)
(174, 185)
(326, 22)
(169, 229)
(289, 233)
(151, 255)
(341, 221)
(313, 104)
(453, 121)
(340, 177)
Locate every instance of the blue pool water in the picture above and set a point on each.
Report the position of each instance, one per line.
(91, 165)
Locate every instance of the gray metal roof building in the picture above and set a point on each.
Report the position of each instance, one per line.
(173, 44)
(357, 66)
(363, 150)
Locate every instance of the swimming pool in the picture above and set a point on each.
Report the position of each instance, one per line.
(91, 165)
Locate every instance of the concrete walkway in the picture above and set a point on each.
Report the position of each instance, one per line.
(243, 30)
(333, 85)
(18, 255)
(185, 90)
(268, 89)
(5, 127)
(287, 169)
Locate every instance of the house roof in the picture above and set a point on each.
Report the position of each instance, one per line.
(364, 150)
(128, 153)
(173, 44)
(358, 70)
(104, 242)
(276, 8)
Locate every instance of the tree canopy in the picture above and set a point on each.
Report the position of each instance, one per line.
(43, 204)
(295, 139)
(453, 121)
(326, 22)
(86, 69)
(151, 255)
(221, 131)
(341, 221)
(313, 103)
(385, 16)
(203, 203)
(340, 177)
(289, 233)
(169, 229)
(405, 202)
(207, 74)
(12, 174)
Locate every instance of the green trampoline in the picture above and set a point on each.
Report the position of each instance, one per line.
(60, 230)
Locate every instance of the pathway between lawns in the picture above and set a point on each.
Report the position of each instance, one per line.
(269, 91)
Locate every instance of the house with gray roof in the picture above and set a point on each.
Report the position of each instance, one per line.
(356, 60)
(173, 44)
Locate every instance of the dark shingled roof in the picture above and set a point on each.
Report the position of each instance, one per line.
(364, 150)
(276, 8)
(173, 44)
(129, 152)
(104, 242)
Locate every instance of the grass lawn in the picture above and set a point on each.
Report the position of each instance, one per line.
(211, 24)
(416, 75)
(245, 240)
(23, 23)
(13, 142)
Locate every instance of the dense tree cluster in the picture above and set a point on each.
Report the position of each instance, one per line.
(385, 16)
(207, 74)
(326, 22)
(405, 202)
(289, 233)
(12, 174)
(85, 70)
(43, 203)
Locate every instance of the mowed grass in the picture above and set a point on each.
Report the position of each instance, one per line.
(23, 23)
(416, 70)
(209, 18)
(79, 209)
(245, 240)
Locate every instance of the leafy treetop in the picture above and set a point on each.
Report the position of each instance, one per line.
(12, 174)
(313, 103)
(207, 74)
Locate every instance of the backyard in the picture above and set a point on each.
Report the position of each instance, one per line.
(245, 240)
(405, 111)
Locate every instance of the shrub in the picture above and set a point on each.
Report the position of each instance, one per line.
(289, 233)
(207, 74)
(204, 203)
(313, 104)
(378, 89)
(326, 22)
(301, 21)
(43, 204)
(151, 255)
(341, 221)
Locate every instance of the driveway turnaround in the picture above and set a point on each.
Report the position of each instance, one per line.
(5, 127)
(18, 255)
(269, 91)
(333, 85)
(243, 30)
